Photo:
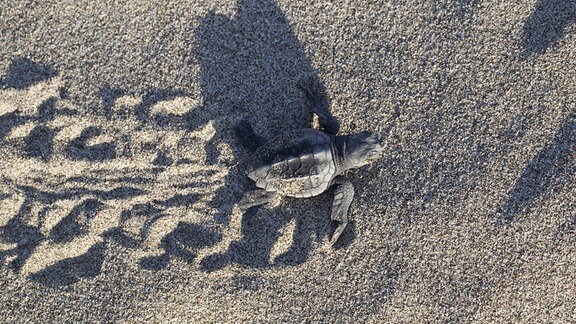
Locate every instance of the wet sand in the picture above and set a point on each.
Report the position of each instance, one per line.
(120, 169)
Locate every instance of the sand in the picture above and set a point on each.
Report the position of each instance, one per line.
(120, 169)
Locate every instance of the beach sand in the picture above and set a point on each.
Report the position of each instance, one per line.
(120, 169)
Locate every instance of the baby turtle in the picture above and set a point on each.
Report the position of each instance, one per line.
(306, 162)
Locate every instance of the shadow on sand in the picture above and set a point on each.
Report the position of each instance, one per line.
(548, 167)
(546, 25)
(250, 66)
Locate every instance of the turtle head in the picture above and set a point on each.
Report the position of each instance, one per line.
(363, 148)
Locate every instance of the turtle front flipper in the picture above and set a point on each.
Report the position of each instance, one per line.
(319, 105)
(256, 198)
(343, 195)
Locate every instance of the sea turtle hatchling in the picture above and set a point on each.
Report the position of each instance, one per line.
(306, 162)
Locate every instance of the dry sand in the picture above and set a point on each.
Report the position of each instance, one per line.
(119, 169)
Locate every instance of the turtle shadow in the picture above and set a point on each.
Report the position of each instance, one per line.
(546, 25)
(553, 163)
(250, 66)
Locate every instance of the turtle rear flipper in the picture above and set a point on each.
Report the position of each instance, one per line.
(256, 198)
